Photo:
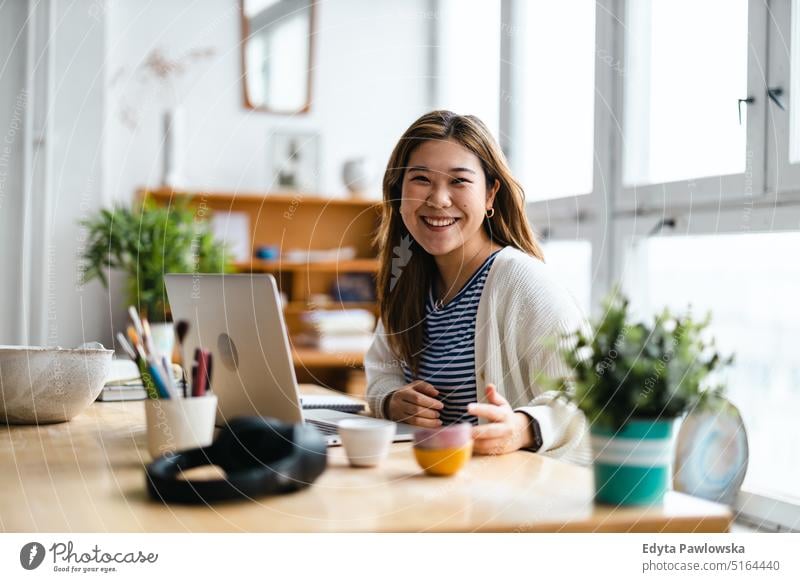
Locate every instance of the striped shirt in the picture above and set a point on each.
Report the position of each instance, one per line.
(448, 357)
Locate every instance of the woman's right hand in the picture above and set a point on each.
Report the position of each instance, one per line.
(415, 404)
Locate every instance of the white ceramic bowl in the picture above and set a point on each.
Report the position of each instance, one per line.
(366, 440)
(41, 385)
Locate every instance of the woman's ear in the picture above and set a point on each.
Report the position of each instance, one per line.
(491, 193)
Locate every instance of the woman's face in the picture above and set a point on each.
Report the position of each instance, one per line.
(445, 198)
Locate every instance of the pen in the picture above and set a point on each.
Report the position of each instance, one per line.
(199, 387)
(147, 337)
(169, 379)
(195, 362)
(209, 370)
(153, 366)
(137, 323)
(133, 337)
(147, 380)
(126, 347)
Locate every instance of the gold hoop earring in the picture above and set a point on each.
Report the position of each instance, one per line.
(490, 213)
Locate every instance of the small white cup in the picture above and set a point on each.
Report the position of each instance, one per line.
(176, 424)
(366, 440)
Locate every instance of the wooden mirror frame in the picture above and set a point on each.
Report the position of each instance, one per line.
(309, 82)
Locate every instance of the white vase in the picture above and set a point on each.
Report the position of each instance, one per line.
(357, 175)
(172, 176)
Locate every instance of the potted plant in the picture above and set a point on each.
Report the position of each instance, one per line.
(632, 380)
(146, 243)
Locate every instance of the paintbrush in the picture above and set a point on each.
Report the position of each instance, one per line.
(181, 329)
(126, 347)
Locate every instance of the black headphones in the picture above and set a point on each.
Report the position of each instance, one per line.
(260, 456)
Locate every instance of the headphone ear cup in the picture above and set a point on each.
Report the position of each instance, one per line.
(305, 463)
(251, 441)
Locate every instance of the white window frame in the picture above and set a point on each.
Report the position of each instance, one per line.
(782, 176)
(746, 185)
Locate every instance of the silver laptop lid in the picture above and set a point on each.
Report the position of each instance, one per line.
(239, 319)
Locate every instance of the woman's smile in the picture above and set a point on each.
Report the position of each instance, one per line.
(439, 223)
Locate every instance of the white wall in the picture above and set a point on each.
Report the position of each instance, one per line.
(370, 63)
(13, 106)
(51, 103)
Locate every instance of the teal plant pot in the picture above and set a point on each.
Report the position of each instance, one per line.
(632, 465)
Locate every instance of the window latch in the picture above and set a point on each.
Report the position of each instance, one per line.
(775, 93)
(749, 100)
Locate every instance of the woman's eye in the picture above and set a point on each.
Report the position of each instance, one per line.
(419, 179)
(461, 181)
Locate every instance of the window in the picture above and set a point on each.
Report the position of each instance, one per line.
(571, 261)
(689, 69)
(783, 120)
(794, 109)
(550, 110)
(469, 59)
(751, 284)
(554, 152)
(682, 91)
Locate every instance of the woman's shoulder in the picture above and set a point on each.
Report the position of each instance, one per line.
(515, 266)
(520, 277)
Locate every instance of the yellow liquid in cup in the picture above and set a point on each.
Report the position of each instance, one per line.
(443, 462)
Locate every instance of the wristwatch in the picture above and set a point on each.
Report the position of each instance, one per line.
(537, 435)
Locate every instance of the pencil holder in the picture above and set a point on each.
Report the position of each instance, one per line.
(177, 424)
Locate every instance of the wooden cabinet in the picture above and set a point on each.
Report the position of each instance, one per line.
(296, 222)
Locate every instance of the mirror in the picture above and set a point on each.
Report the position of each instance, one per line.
(276, 54)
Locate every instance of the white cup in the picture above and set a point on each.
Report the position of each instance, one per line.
(366, 440)
(176, 424)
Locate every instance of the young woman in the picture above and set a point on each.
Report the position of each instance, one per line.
(470, 317)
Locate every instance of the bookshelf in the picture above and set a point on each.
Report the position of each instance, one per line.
(305, 223)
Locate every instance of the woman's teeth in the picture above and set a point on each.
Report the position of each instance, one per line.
(438, 221)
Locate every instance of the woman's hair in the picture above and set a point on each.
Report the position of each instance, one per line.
(406, 269)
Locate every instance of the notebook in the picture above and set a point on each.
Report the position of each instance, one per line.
(332, 402)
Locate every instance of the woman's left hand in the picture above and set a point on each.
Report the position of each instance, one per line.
(507, 431)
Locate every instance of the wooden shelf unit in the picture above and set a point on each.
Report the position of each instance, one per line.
(306, 223)
(345, 266)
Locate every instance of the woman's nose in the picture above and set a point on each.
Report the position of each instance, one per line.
(439, 197)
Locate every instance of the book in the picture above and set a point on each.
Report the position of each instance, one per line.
(332, 402)
(122, 393)
(124, 383)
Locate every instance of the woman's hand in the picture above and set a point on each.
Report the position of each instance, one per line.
(416, 404)
(507, 431)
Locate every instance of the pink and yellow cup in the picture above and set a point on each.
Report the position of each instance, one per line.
(443, 451)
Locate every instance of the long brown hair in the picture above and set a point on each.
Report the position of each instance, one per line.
(406, 269)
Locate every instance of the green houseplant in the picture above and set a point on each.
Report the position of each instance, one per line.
(632, 380)
(146, 243)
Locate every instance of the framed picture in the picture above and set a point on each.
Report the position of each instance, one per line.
(293, 164)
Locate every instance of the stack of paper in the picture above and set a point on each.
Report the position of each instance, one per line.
(347, 330)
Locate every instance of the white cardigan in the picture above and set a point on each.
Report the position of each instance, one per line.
(522, 313)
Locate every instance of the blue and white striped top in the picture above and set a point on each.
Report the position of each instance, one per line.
(448, 358)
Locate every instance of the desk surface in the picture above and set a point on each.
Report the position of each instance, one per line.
(87, 475)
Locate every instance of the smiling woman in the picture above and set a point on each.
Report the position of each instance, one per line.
(469, 310)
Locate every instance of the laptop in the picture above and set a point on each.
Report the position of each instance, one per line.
(239, 319)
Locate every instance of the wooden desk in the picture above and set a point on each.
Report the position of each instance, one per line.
(87, 476)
